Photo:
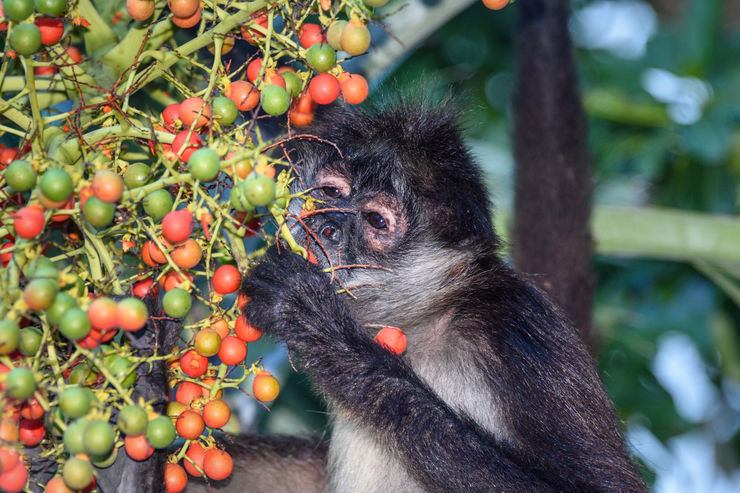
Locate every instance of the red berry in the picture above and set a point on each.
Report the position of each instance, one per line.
(392, 338)
(226, 279)
(324, 88)
(177, 225)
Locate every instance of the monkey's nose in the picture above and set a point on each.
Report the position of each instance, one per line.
(330, 231)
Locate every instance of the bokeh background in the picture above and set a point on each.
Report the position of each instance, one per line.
(661, 86)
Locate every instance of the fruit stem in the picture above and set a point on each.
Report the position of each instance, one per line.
(108, 375)
(99, 34)
(51, 349)
(202, 40)
(285, 233)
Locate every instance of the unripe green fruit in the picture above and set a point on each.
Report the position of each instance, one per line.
(17, 10)
(20, 175)
(158, 203)
(75, 402)
(26, 39)
(99, 437)
(160, 432)
(177, 302)
(120, 367)
(204, 164)
(9, 336)
(224, 110)
(275, 100)
(321, 57)
(334, 34)
(132, 420)
(77, 473)
(62, 303)
(136, 175)
(258, 189)
(98, 213)
(292, 83)
(29, 341)
(20, 383)
(74, 324)
(52, 8)
(73, 436)
(56, 184)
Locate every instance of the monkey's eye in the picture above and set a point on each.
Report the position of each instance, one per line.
(332, 192)
(375, 220)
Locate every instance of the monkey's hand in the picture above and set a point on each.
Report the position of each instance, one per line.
(293, 301)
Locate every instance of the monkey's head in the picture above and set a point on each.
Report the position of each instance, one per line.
(399, 209)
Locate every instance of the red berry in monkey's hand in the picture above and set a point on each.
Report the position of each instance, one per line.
(392, 338)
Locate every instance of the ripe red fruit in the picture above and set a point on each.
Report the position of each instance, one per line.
(140, 10)
(190, 146)
(252, 35)
(188, 22)
(196, 453)
(31, 431)
(324, 88)
(143, 288)
(102, 313)
(189, 424)
(253, 69)
(193, 364)
(216, 413)
(173, 280)
(107, 185)
(244, 95)
(52, 29)
(189, 391)
(187, 254)
(232, 351)
(177, 225)
(246, 331)
(226, 279)
(392, 338)
(221, 326)
(31, 409)
(189, 110)
(273, 78)
(183, 8)
(354, 87)
(300, 119)
(29, 221)
(9, 457)
(310, 34)
(171, 117)
(75, 54)
(217, 464)
(496, 4)
(265, 387)
(175, 478)
(131, 314)
(15, 479)
(137, 447)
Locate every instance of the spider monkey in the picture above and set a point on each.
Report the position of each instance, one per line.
(496, 391)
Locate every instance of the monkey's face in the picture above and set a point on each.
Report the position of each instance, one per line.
(393, 206)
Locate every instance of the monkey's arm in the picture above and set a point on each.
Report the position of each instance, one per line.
(293, 301)
(271, 464)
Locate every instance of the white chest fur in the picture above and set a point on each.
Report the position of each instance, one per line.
(359, 463)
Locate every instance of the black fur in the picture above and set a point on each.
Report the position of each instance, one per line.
(552, 238)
